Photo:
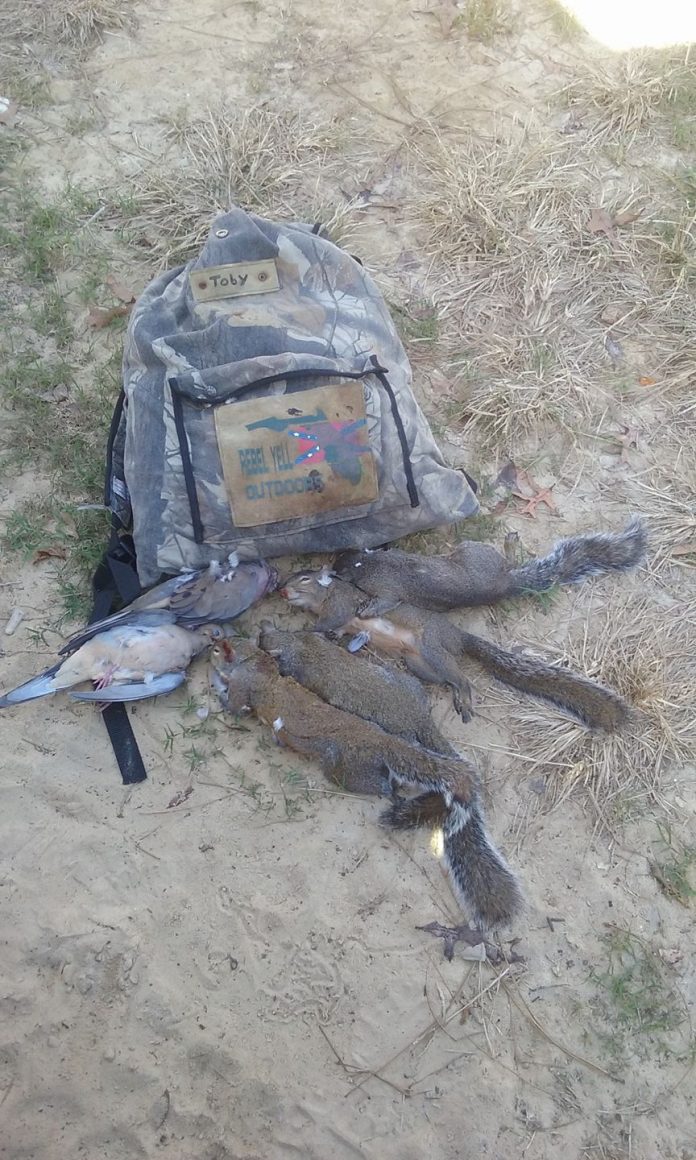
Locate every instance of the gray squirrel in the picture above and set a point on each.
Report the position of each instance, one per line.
(380, 693)
(476, 573)
(435, 650)
(362, 758)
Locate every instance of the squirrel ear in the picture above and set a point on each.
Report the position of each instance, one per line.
(227, 650)
(326, 576)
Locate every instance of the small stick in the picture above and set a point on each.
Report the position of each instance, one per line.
(519, 1002)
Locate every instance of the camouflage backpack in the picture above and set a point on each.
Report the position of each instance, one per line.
(268, 409)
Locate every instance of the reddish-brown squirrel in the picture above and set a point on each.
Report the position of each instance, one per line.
(476, 573)
(380, 693)
(434, 649)
(362, 758)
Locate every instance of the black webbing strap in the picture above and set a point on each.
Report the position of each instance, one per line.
(116, 581)
(398, 423)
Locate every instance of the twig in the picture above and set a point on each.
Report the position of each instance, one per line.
(519, 1002)
(369, 105)
(433, 1026)
(350, 1069)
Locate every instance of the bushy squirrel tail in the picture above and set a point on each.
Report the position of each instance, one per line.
(481, 879)
(578, 557)
(595, 705)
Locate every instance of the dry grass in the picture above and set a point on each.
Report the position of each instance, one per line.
(38, 35)
(635, 90)
(536, 298)
(667, 498)
(647, 652)
(487, 19)
(260, 158)
(74, 25)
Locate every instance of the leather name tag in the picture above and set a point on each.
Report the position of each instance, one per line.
(233, 280)
(296, 456)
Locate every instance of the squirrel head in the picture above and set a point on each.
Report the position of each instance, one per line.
(308, 589)
(237, 667)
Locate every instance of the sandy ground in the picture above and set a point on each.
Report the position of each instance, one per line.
(241, 977)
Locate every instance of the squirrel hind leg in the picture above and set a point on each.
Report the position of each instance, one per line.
(441, 669)
(462, 699)
(481, 878)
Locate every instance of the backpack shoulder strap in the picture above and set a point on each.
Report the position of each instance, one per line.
(116, 579)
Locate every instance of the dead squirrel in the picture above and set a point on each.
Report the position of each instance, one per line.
(382, 694)
(362, 758)
(476, 573)
(434, 649)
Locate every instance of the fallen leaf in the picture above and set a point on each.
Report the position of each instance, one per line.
(686, 549)
(628, 438)
(671, 955)
(646, 381)
(180, 797)
(629, 215)
(600, 222)
(8, 111)
(532, 502)
(100, 316)
(49, 554)
(472, 939)
(119, 289)
(507, 477)
(611, 314)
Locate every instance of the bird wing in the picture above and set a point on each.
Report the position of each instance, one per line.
(223, 597)
(41, 686)
(135, 691)
(155, 599)
(129, 617)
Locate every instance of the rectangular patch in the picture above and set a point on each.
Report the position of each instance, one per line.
(233, 280)
(292, 456)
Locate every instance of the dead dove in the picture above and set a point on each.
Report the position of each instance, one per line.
(143, 658)
(213, 594)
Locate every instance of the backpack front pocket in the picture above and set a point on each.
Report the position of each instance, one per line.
(298, 449)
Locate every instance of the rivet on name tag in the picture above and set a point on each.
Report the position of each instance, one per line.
(234, 279)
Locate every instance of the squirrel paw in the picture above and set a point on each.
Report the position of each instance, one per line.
(463, 702)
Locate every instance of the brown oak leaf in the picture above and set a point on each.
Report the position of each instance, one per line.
(119, 289)
(628, 216)
(100, 316)
(600, 222)
(49, 554)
